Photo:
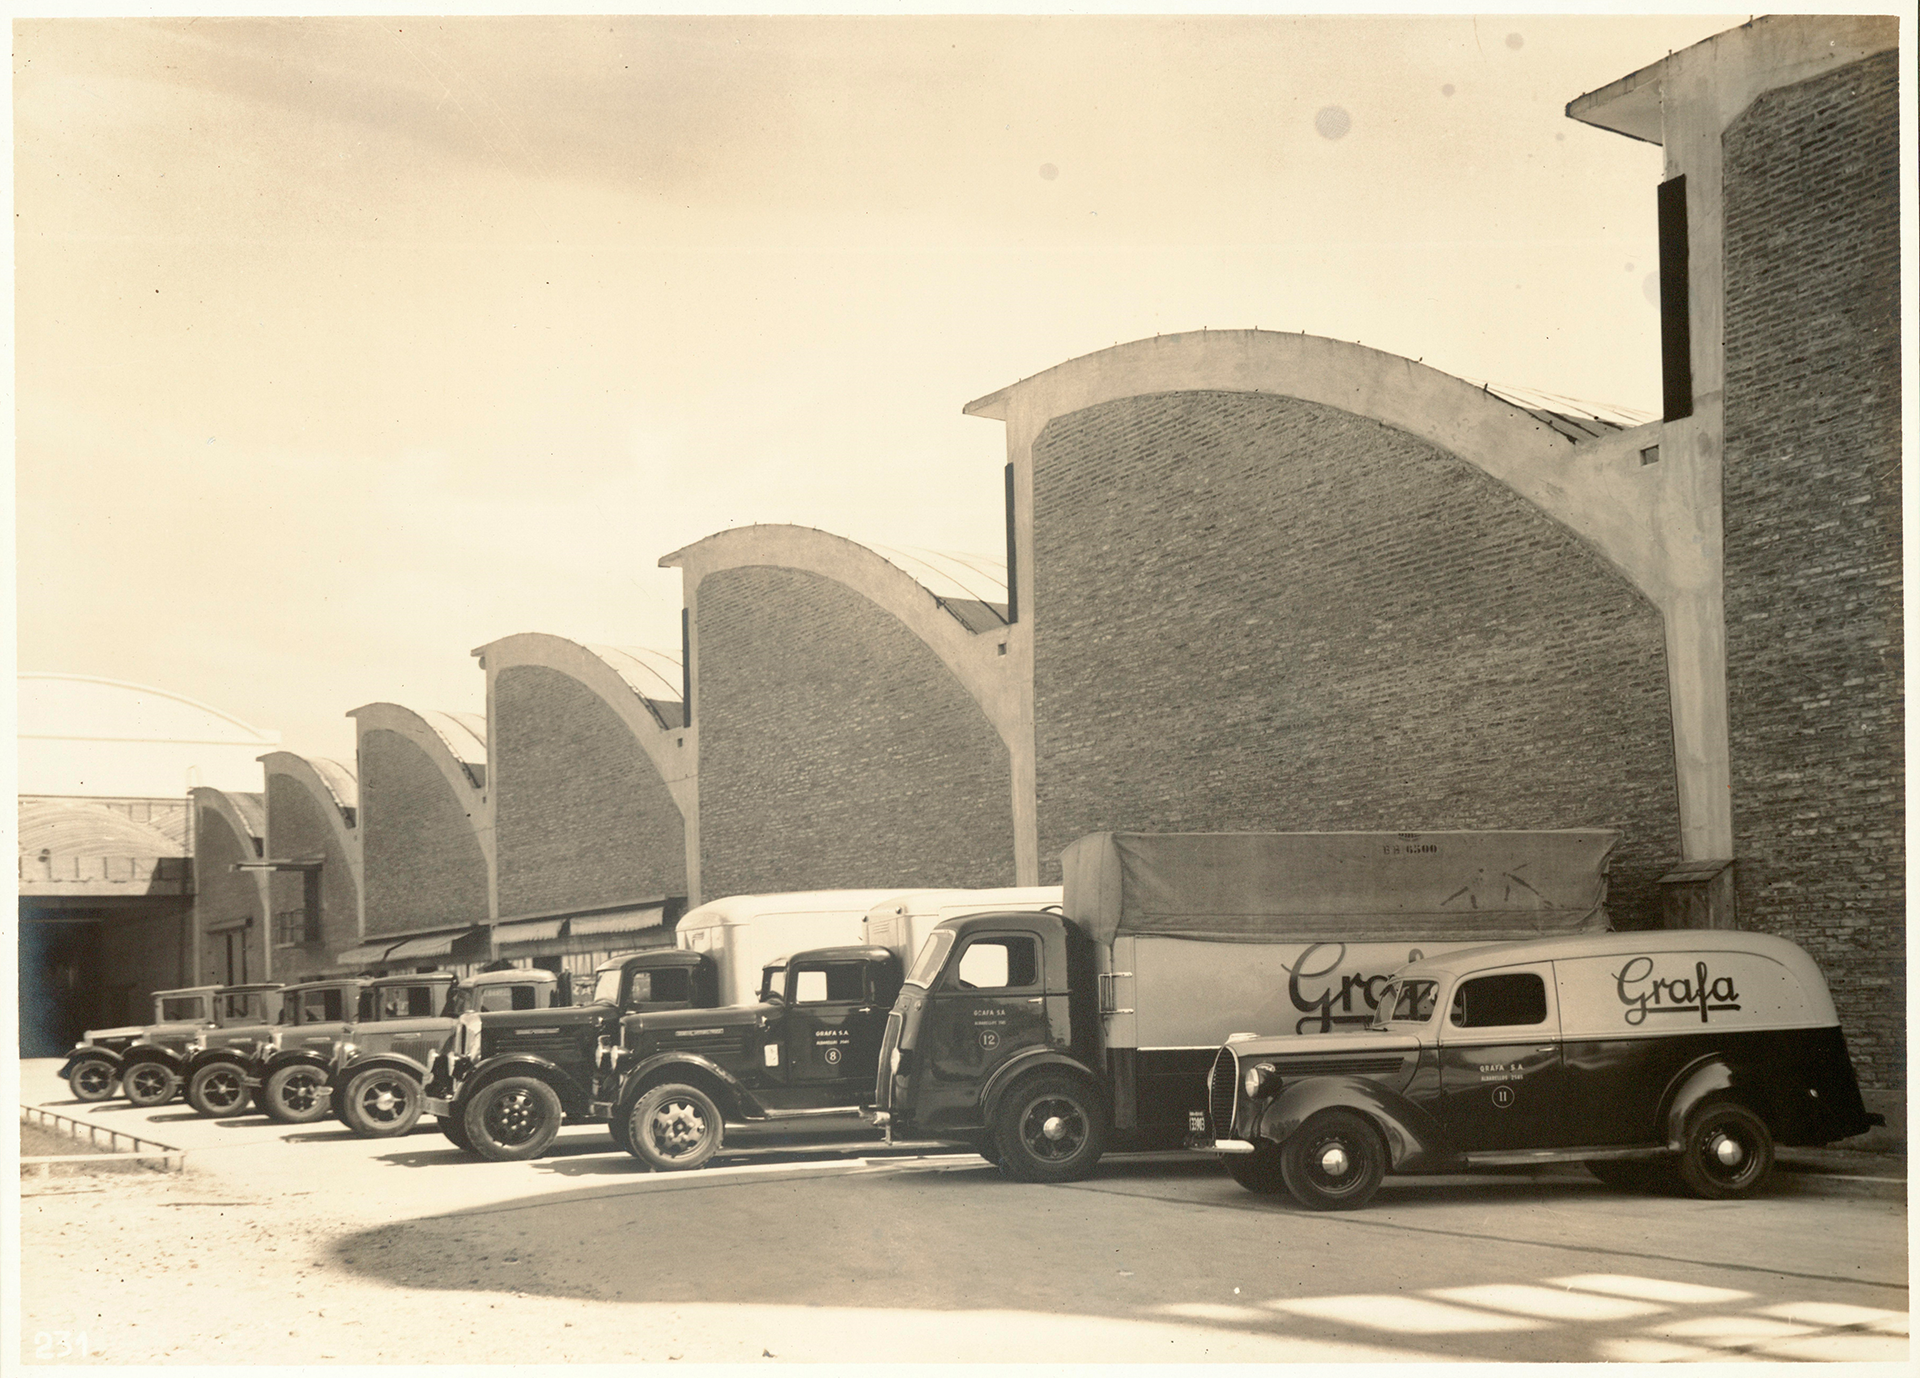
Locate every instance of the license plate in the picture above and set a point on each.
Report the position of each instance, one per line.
(1197, 1121)
(436, 1107)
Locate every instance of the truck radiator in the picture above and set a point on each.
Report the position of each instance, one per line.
(1223, 1084)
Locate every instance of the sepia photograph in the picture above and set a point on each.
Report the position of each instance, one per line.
(974, 688)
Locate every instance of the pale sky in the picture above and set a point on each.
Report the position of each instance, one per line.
(344, 346)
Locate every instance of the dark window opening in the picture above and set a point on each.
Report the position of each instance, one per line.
(1487, 1002)
(1676, 333)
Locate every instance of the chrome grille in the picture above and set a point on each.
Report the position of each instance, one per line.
(1223, 1084)
(883, 1086)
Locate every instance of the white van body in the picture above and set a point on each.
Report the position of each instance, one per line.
(743, 933)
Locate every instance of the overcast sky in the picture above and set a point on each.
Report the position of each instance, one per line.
(345, 346)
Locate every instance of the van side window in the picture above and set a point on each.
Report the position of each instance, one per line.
(662, 986)
(1485, 1002)
(838, 982)
(999, 963)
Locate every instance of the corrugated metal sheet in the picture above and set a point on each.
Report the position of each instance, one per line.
(622, 921)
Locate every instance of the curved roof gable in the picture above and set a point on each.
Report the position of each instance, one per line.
(55, 705)
(67, 828)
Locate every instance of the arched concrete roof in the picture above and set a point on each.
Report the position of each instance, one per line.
(633, 682)
(68, 828)
(333, 788)
(1592, 483)
(454, 747)
(59, 705)
(246, 814)
(973, 658)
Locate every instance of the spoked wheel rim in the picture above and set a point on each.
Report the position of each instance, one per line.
(383, 1100)
(677, 1127)
(514, 1118)
(92, 1080)
(148, 1082)
(299, 1092)
(224, 1089)
(1054, 1129)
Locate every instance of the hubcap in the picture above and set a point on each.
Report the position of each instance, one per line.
(383, 1101)
(1333, 1161)
(148, 1082)
(513, 1118)
(93, 1078)
(1054, 1129)
(1727, 1150)
(677, 1128)
(296, 1093)
(222, 1089)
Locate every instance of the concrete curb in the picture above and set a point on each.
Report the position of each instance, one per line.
(143, 1151)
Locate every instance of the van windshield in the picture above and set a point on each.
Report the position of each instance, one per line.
(933, 956)
(1405, 1002)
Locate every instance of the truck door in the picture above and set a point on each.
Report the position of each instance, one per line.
(1502, 1082)
(832, 1035)
(989, 1003)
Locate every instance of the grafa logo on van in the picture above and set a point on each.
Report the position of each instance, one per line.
(1643, 993)
(1316, 985)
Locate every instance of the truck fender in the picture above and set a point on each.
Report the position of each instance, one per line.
(1412, 1136)
(150, 1052)
(1699, 1080)
(572, 1095)
(294, 1057)
(368, 1062)
(207, 1056)
(90, 1051)
(1029, 1060)
(735, 1099)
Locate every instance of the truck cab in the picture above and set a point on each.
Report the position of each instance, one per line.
(295, 1069)
(807, 1049)
(380, 1066)
(151, 1066)
(224, 1065)
(993, 1042)
(506, 1080)
(154, 1068)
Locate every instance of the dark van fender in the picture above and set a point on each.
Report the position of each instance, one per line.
(1413, 1137)
(89, 1052)
(573, 1096)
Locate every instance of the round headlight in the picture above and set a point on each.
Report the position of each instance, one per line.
(1258, 1080)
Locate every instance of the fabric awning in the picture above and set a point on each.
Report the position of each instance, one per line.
(527, 931)
(363, 955)
(618, 922)
(426, 945)
(227, 925)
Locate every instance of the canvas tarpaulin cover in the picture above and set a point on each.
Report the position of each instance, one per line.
(1349, 887)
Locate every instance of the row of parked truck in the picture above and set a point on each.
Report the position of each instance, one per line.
(1316, 1009)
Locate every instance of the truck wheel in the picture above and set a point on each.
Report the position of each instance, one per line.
(1258, 1171)
(512, 1119)
(1727, 1153)
(675, 1128)
(1051, 1128)
(1333, 1162)
(148, 1084)
(381, 1103)
(92, 1079)
(219, 1088)
(618, 1127)
(293, 1094)
(451, 1127)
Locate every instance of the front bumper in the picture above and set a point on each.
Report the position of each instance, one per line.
(1199, 1143)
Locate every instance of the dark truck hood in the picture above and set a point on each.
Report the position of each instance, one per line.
(556, 1017)
(668, 1023)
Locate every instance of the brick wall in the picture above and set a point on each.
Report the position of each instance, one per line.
(581, 817)
(222, 894)
(1812, 504)
(836, 751)
(423, 864)
(300, 829)
(1257, 613)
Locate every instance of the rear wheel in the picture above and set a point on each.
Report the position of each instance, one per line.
(1334, 1162)
(92, 1079)
(512, 1119)
(675, 1128)
(1051, 1128)
(148, 1084)
(219, 1088)
(294, 1094)
(381, 1103)
(1728, 1151)
(1258, 1171)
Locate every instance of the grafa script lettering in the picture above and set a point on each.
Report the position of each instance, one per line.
(1317, 986)
(1643, 993)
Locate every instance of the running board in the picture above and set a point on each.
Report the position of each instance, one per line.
(1522, 1157)
(832, 1110)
